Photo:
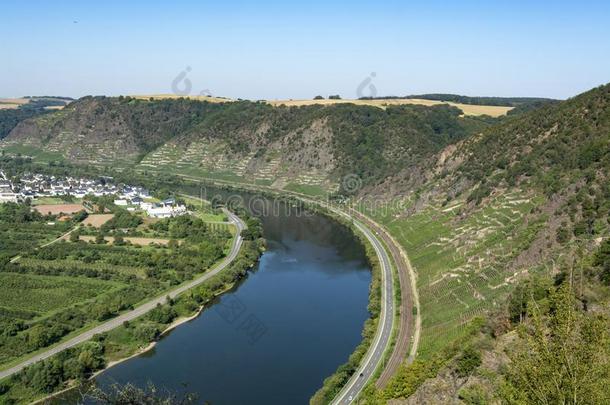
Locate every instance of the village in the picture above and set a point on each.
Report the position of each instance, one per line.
(40, 188)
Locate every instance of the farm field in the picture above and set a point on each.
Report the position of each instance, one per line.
(97, 220)
(56, 209)
(22, 230)
(40, 155)
(210, 99)
(47, 201)
(12, 103)
(133, 240)
(468, 109)
(41, 295)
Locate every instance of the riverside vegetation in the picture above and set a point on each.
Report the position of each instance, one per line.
(506, 220)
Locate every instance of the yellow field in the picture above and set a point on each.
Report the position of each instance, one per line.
(494, 111)
(134, 240)
(97, 220)
(10, 103)
(174, 96)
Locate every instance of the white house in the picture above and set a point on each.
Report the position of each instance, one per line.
(8, 197)
(120, 202)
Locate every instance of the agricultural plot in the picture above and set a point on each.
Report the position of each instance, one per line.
(28, 149)
(97, 220)
(461, 263)
(56, 209)
(41, 295)
(29, 236)
(133, 240)
(468, 109)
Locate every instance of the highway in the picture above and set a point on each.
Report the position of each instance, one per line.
(375, 353)
(139, 311)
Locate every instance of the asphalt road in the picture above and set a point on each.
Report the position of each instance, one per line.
(139, 311)
(375, 353)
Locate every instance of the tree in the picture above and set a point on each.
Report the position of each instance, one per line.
(99, 238)
(318, 98)
(75, 236)
(562, 358)
(119, 240)
(602, 260)
(130, 394)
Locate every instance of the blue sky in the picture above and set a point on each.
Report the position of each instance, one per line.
(280, 49)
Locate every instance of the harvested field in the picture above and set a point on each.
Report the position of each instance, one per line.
(468, 109)
(12, 103)
(55, 209)
(175, 96)
(97, 220)
(133, 240)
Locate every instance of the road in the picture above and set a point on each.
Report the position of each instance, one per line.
(139, 311)
(409, 328)
(374, 355)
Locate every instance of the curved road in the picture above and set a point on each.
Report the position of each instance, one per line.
(381, 341)
(139, 311)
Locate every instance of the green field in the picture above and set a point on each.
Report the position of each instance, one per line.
(312, 190)
(34, 152)
(45, 294)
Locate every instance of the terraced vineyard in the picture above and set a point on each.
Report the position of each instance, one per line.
(461, 262)
(212, 159)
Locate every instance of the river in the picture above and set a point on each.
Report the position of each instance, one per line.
(276, 336)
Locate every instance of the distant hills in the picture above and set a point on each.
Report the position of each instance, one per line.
(15, 110)
(312, 145)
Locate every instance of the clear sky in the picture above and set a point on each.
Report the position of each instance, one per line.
(285, 49)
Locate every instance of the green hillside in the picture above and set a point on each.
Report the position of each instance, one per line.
(526, 201)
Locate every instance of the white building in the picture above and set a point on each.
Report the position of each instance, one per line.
(8, 197)
(166, 212)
